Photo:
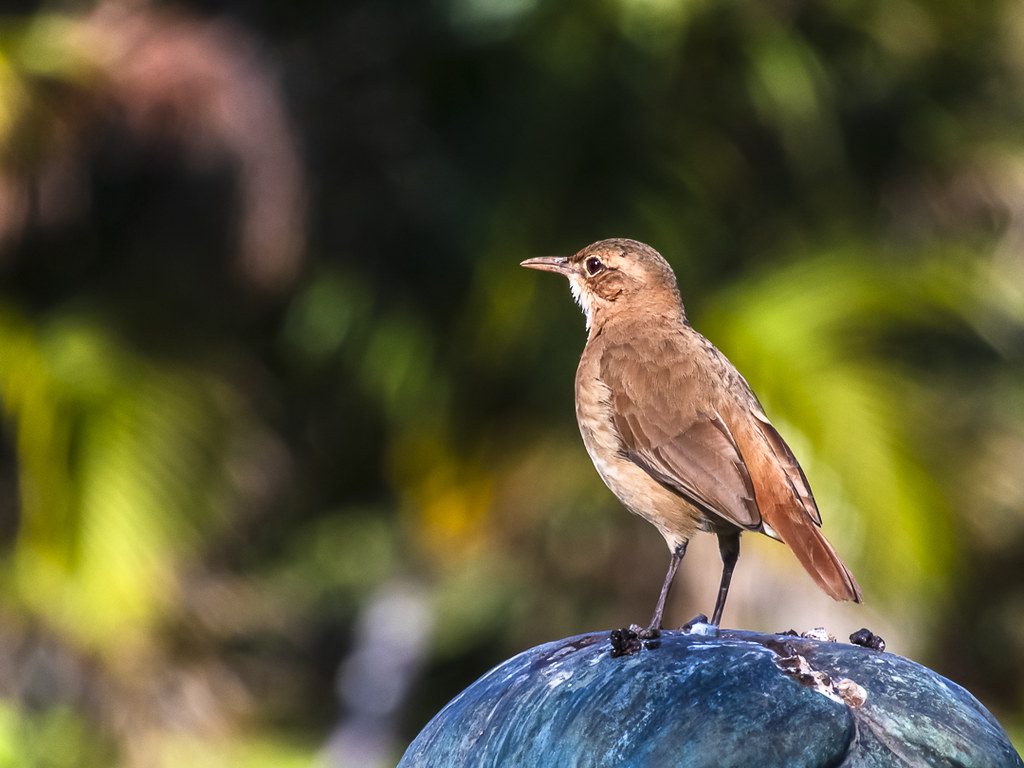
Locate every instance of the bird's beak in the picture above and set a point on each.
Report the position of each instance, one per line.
(559, 264)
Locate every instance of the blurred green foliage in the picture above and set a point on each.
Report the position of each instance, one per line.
(288, 451)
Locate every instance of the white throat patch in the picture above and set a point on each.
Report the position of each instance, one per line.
(576, 286)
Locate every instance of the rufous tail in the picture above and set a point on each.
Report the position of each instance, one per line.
(816, 555)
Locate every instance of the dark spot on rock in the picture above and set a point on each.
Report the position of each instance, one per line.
(867, 639)
(625, 642)
(582, 642)
(780, 648)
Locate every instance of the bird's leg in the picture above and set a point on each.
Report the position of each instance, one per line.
(677, 556)
(729, 547)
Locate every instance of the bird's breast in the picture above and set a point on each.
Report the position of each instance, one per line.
(636, 489)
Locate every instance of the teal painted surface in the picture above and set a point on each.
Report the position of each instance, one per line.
(735, 699)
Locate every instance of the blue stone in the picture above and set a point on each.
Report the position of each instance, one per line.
(729, 698)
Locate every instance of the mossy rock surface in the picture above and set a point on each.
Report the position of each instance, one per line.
(715, 699)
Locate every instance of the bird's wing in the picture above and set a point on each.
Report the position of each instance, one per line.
(794, 473)
(686, 448)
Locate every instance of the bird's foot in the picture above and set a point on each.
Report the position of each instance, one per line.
(699, 625)
(867, 639)
(625, 642)
(629, 640)
(646, 633)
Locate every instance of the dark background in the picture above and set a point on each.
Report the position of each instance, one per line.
(288, 450)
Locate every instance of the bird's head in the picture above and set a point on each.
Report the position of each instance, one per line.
(617, 275)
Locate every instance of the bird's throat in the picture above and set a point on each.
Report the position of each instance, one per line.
(582, 298)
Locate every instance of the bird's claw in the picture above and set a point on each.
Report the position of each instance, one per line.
(646, 633)
(629, 640)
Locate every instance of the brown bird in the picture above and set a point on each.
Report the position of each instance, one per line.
(673, 428)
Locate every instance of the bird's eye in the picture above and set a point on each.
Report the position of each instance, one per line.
(594, 265)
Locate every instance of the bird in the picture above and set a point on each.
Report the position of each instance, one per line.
(675, 431)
